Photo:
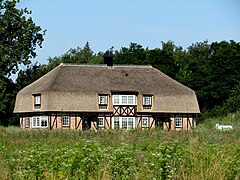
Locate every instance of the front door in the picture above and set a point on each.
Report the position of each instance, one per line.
(159, 122)
(86, 123)
(163, 122)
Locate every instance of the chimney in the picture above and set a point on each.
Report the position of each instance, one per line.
(108, 58)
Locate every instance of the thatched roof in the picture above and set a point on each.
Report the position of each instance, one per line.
(72, 87)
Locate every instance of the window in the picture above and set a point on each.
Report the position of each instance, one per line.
(40, 122)
(27, 122)
(37, 101)
(116, 99)
(102, 101)
(178, 121)
(130, 123)
(124, 100)
(123, 122)
(144, 122)
(116, 123)
(100, 121)
(147, 102)
(65, 121)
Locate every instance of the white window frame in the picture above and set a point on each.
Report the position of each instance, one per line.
(147, 100)
(122, 119)
(65, 121)
(37, 101)
(37, 121)
(27, 122)
(146, 120)
(124, 100)
(178, 121)
(101, 119)
(103, 101)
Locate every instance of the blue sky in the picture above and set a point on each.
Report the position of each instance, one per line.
(107, 23)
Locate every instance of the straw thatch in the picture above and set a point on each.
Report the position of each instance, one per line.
(75, 88)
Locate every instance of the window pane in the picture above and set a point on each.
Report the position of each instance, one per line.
(102, 99)
(147, 100)
(130, 100)
(178, 121)
(101, 121)
(124, 123)
(116, 122)
(27, 122)
(38, 122)
(124, 100)
(116, 99)
(34, 119)
(44, 120)
(130, 123)
(144, 121)
(37, 100)
(65, 120)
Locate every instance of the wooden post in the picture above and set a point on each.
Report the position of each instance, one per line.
(140, 121)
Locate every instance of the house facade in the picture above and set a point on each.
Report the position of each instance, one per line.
(82, 97)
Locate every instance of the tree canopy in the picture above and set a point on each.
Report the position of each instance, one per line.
(19, 38)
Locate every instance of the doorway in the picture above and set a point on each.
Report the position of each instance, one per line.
(163, 122)
(86, 123)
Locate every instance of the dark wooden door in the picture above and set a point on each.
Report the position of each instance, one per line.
(159, 122)
(86, 123)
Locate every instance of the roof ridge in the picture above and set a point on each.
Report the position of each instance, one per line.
(78, 64)
(105, 65)
(132, 65)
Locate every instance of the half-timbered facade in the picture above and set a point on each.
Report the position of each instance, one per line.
(81, 97)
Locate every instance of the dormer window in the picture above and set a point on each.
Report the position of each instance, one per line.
(124, 100)
(37, 101)
(147, 102)
(102, 101)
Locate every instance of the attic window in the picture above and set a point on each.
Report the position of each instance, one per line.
(102, 101)
(37, 101)
(147, 102)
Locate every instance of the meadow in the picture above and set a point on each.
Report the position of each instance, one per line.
(202, 153)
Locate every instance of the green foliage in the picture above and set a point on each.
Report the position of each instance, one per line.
(203, 153)
(7, 96)
(79, 55)
(19, 37)
(233, 102)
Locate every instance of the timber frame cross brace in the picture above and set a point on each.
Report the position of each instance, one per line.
(125, 110)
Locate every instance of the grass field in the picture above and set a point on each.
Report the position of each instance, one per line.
(203, 153)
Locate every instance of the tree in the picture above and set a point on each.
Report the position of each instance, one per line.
(19, 38)
(225, 69)
(135, 54)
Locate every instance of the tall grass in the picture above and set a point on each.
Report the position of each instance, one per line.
(203, 153)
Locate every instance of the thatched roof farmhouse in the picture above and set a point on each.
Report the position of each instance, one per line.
(81, 96)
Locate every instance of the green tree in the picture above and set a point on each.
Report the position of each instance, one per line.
(225, 69)
(195, 73)
(165, 58)
(135, 54)
(77, 55)
(19, 38)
